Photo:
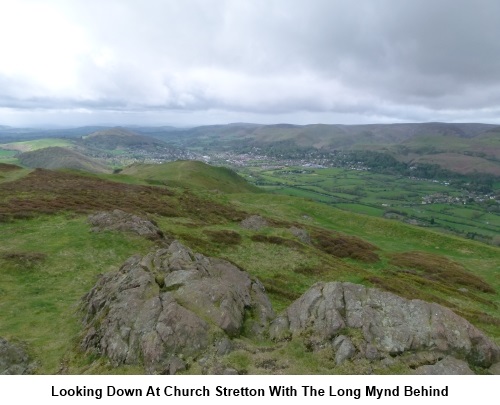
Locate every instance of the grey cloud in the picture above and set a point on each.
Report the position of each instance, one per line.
(383, 60)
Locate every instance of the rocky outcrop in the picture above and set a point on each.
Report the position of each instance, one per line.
(389, 325)
(13, 359)
(173, 309)
(448, 366)
(165, 309)
(118, 220)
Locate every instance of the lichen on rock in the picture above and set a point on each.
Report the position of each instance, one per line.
(170, 306)
(118, 220)
(390, 324)
(13, 359)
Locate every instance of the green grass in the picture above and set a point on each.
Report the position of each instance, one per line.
(48, 263)
(190, 174)
(7, 153)
(39, 300)
(8, 156)
(12, 175)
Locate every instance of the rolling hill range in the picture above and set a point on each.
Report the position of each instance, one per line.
(443, 144)
(58, 266)
(327, 136)
(464, 148)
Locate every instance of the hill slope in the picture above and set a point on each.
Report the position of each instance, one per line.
(118, 138)
(61, 158)
(51, 261)
(192, 174)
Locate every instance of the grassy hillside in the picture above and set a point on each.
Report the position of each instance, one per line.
(50, 259)
(191, 174)
(119, 138)
(435, 204)
(10, 172)
(61, 158)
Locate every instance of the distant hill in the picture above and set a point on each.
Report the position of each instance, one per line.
(327, 136)
(192, 174)
(61, 158)
(120, 138)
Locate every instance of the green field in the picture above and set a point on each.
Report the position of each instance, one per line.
(7, 153)
(28, 146)
(393, 197)
(8, 156)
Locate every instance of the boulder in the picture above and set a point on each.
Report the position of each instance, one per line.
(13, 359)
(448, 366)
(389, 324)
(170, 306)
(118, 220)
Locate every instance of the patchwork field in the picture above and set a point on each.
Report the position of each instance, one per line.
(436, 205)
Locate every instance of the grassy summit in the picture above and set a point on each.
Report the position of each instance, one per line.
(191, 175)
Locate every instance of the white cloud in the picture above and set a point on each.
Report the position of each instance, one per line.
(319, 59)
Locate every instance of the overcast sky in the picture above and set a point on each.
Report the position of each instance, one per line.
(195, 62)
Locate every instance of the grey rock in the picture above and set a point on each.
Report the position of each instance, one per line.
(118, 220)
(170, 305)
(224, 347)
(344, 349)
(495, 369)
(337, 342)
(388, 362)
(254, 223)
(301, 234)
(389, 323)
(322, 317)
(280, 328)
(174, 365)
(13, 359)
(179, 278)
(371, 352)
(448, 366)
